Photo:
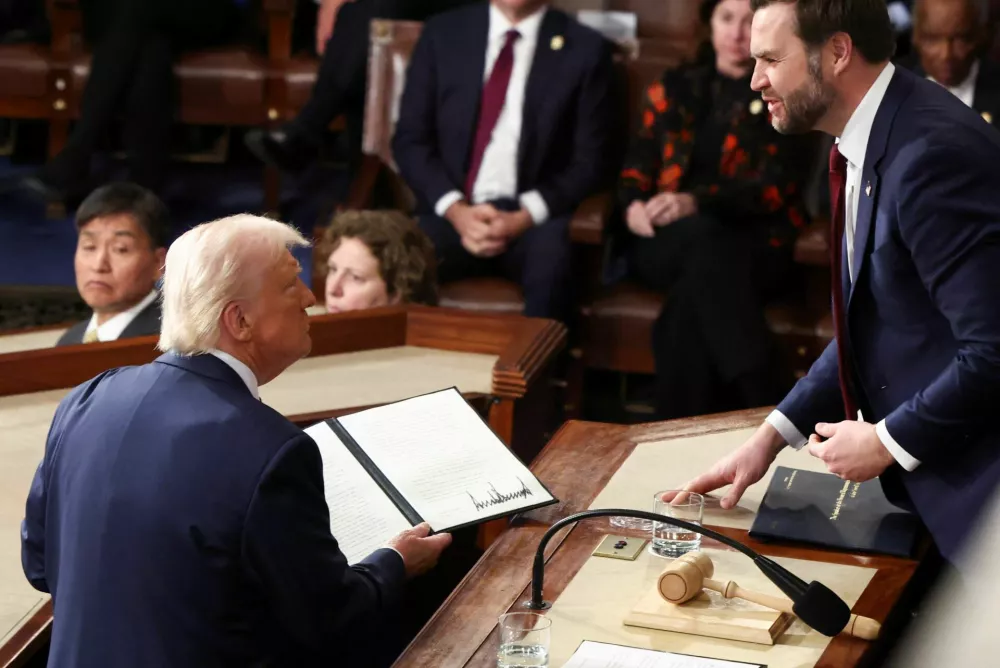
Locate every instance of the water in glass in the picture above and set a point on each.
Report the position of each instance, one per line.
(515, 655)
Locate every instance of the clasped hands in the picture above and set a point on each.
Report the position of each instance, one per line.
(850, 449)
(485, 230)
(662, 209)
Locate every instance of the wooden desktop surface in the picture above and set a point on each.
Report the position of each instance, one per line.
(576, 466)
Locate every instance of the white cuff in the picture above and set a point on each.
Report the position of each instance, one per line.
(533, 203)
(902, 457)
(788, 431)
(446, 201)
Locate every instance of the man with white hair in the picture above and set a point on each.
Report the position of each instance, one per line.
(177, 520)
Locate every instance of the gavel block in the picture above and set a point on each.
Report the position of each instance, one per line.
(681, 602)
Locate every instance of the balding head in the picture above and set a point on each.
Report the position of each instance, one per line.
(948, 36)
(234, 285)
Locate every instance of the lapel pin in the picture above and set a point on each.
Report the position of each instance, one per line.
(557, 42)
(987, 116)
(868, 189)
(756, 106)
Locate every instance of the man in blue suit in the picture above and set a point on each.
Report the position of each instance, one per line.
(177, 520)
(916, 283)
(504, 128)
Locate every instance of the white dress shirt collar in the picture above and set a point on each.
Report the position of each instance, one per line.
(528, 27)
(114, 326)
(965, 91)
(853, 142)
(241, 369)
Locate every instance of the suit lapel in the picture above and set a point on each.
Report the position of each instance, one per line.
(549, 52)
(899, 88)
(986, 99)
(145, 323)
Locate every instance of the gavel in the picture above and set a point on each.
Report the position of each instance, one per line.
(689, 574)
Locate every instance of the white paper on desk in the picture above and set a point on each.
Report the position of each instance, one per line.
(592, 654)
(444, 460)
(362, 517)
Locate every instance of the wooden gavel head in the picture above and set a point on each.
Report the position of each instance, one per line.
(684, 578)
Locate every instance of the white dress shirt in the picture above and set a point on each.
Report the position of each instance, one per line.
(853, 144)
(113, 328)
(241, 369)
(497, 177)
(965, 91)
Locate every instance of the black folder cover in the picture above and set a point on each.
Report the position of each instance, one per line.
(399, 500)
(822, 509)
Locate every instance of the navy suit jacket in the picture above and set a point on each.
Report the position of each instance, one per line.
(178, 521)
(568, 114)
(923, 315)
(145, 323)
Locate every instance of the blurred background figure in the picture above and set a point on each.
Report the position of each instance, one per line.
(376, 258)
(342, 39)
(134, 44)
(949, 46)
(119, 259)
(711, 195)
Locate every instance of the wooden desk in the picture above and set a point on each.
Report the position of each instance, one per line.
(501, 363)
(576, 466)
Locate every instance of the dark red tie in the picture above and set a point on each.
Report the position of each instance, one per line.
(838, 182)
(494, 94)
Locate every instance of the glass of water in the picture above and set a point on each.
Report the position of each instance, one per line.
(672, 541)
(524, 640)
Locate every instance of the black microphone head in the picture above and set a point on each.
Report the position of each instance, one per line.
(822, 610)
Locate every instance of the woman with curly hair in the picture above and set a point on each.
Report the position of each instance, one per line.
(376, 258)
(711, 195)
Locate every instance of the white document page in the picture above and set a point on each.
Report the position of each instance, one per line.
(444, 460)
(362, 517)
(592, 654)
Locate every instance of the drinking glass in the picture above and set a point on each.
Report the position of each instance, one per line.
(672, 541)
(524, 640)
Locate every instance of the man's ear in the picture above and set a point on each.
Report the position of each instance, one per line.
(160, 258)
(841, 47)
(235, 321)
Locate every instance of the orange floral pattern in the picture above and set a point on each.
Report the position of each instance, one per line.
(759, 170)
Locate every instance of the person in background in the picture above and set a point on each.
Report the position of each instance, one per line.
(119, 258)
(949, 40)
(505, 127)
(134, 45)
(342, 40)
(376, 258)
(712, 199)
(177, 520)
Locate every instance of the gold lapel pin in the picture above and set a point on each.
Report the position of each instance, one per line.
(557, 42)
(987, 116)
(868, 190)
(756, 106)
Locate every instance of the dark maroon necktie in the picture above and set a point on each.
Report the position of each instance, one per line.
(838, 182)
(494, 94)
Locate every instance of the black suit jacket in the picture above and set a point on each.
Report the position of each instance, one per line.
(568, 108)
(146, 323)
(987, 97)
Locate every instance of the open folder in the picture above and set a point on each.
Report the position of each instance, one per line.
(429, 459)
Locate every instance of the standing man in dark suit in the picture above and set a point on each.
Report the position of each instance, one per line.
(908, 390)
(342, 42)
(119, 258)
(179, 521)
(503, 130)
(949, 38)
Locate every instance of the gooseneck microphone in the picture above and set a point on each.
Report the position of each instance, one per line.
(814, 603)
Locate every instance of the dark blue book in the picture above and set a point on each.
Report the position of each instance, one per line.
(822, 509)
